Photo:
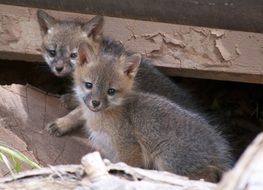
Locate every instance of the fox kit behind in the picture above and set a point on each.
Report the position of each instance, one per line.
(139, 128)
(61, 40)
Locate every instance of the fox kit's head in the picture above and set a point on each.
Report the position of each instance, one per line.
(105, 79)
(62, 38)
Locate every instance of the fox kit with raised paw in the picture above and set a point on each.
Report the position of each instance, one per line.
(139, 128)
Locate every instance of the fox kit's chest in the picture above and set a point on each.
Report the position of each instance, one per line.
(103, 143)
(101, 122)
(102, 129)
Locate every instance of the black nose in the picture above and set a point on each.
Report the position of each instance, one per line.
(95, 103)
(59, 68)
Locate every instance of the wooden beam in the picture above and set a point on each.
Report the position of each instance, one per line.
(231, 14)
(247, 173)
(178, 50)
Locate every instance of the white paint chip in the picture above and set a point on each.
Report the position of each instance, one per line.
(223, 51)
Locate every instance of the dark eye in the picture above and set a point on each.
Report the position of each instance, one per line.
(73, 55)
(52, 53)
(88, 85)
(111, 91)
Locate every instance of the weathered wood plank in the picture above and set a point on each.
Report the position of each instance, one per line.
(248, 171)
(94, 173)
(245, 15)
(178, 50)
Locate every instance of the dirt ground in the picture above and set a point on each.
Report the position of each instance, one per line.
(29, 101)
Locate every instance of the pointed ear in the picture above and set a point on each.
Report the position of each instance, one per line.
(94, 27)
(45, 21)
(132, 64)
(84, 54)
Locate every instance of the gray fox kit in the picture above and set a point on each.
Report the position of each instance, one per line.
(61, 40)
(139, 128)
(59, 48)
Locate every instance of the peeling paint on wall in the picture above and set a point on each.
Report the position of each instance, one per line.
(194, 47)
(9, 30)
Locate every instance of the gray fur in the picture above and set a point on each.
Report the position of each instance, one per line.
(182, 140)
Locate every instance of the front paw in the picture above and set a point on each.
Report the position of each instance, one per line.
(55, 129)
